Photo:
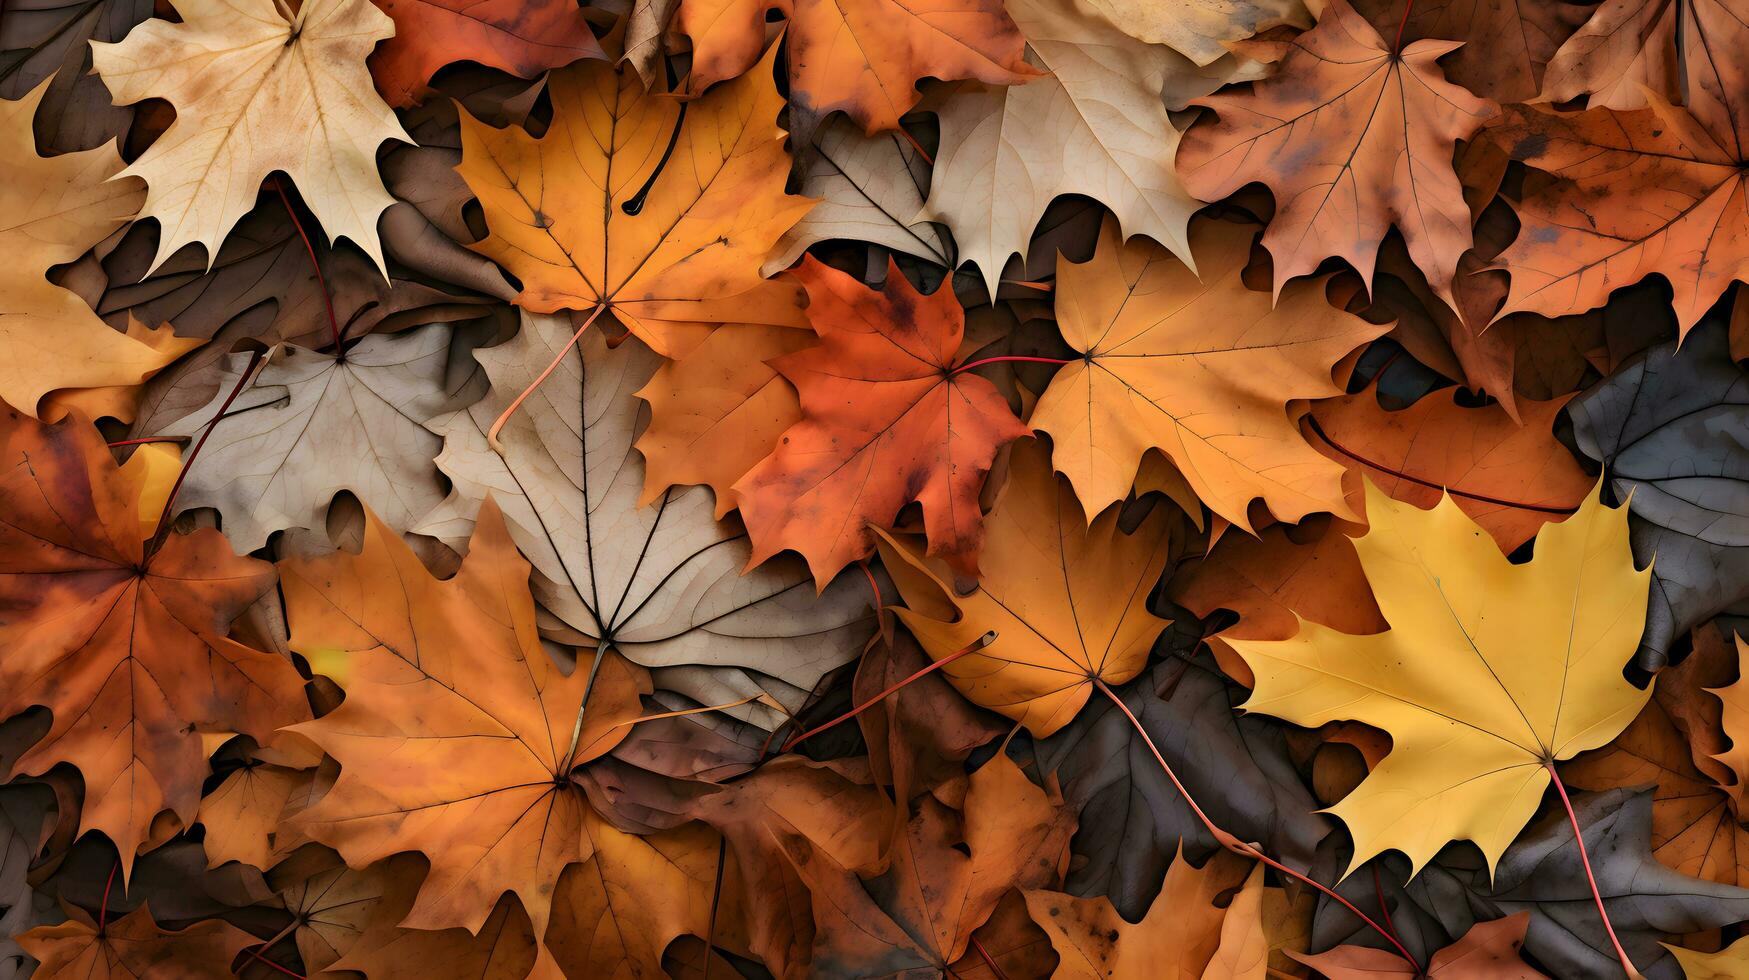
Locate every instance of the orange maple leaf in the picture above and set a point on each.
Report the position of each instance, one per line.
(127, 649)
(522, 37)
(1353, 136)
(888, 417)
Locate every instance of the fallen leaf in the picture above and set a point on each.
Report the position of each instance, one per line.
(1733, 961)
(133, 946)
(1665, 426)
(57, 207)
(661, 584)
(1629, 48)
(113, 640)
(310, 425)
(236, 71)
(1199, 29)
(1510, 476)
(1734, 719)
(1094, 125)
(522, 38)
(627, 205)
(1489, 951)
(1571, 253)
(1354, 137)
(888, 417)
(1178, 938)
(1507, 44)
(1066, 600)
(864, 57)
(1489, 670)
(458, 733)
(1169, 362)
(870, 188)
(718, 409)
(1133, 820)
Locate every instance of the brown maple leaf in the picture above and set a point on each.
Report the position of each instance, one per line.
(133, 947)
(127, 648)
(459, 733)
(888, 417)
(1353, 136)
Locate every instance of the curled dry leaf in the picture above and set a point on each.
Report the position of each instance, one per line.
(629, 203)
(1169, 362)
(115, 640)
(661, 584)
(1067, 600)
(889, 416)
(1354, 137)
(523, 37)
(236, 71)
(56, 207)
(1489, 670)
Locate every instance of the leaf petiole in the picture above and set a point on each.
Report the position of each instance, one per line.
(972, 647)
(1627, 964)
(1238, 846)
(497, 426)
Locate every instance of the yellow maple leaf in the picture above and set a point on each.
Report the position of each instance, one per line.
(1490, 671)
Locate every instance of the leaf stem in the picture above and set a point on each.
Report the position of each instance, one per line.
(972, 647)
(497, 426)
(255, 954)
(1318, 430)
(1238, 846)
(103, 909)
(255, 360)
(179, 440)
(1009, 358)
(916, 146)
(1627, 964)
(321, 280)
(989, 960)
(1397, 45)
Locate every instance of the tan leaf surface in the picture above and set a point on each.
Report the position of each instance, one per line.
(238, 72)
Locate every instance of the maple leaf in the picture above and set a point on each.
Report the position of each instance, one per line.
(1353, 136)
(1507, 44)
(1168, 362)
(247, 816)
(333, 905)
(1511, 476)
(237, 71)
(133, 947)
(888, 417)
(458, 733)
(1665, 427)
(1727, 963)
(627, 204)
(1199, 29)
(310, 425)
(864, 57)
(661, 584)
(1671, 49)
(55, 208)
(520, 37)
(717, 410)
(1096, 125)
(1686, 172)
(1489, 951)
(1177, 940)
(1489, 671)
(870, 189)
(128, 650)
(1068, 601)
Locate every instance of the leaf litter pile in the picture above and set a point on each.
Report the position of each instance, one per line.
(996, 489)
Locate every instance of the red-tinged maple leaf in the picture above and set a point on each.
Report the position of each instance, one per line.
(888, 417)
(1353, 136)
(126, 648)
(1656, 190)
(523, 37)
